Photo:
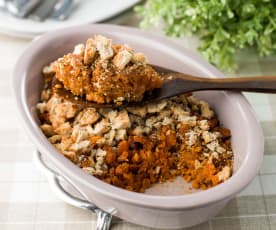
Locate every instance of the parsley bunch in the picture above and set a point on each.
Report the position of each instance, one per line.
(224, 26)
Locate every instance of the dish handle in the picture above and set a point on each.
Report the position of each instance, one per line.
(103, 218)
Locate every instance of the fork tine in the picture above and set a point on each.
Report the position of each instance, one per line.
(62, 9)
(22, 8)
(43, 10)
(20, 3)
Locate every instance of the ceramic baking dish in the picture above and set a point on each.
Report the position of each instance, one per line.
(167, 205)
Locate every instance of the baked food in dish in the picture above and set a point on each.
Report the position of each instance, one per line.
(136, 147)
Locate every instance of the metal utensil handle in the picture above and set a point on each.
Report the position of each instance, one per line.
(103, 218)
(63, 9)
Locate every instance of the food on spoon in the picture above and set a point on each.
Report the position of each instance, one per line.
(106, 73)
(135, 147)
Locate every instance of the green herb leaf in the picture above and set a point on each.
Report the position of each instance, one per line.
(224, 26)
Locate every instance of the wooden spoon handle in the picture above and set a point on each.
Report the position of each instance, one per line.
(249, 84)
(265, 84)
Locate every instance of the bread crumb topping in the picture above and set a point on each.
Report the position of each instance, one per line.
(134, 148)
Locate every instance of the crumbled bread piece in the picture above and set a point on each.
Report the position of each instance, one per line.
(205, 110)
(42, 107)
(100, 142)
(100, 153)
(156, 107)
(71, 155)
(99, 167)
(88, 116)
(81, 146)
(109, 137)
(215, 155)
(191, 138)
(167, 121)
(212, 156)
(179, 111)
(139, 130)
(224, 174)
(126, 47)
(47, 69)
(111, 115)
(189, 120)
(157, 170)
(197, 164)
(136, 120)
(229, 152)
(157, 125)
(193, 100)
(93, 170)
(79, 49)
(151, 121)
(121, 121)
(48, 130)
(80, 133)
(89, 52)
(64, 145)
(60, 110)
(104, 46)
(213, 145)
(45, 95)
(203, 124)
(64, 129)
(102, 127)
(119, 100)
(54, 139)
(166, 113)
(208, 137)
(122, 58)
(139, 111)
(139, 58)
(220, 149)
(90, 170)
(121, 134)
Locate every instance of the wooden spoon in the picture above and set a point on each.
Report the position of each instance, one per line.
(176, 83)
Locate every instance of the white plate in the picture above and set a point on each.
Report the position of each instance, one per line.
(88, 11)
